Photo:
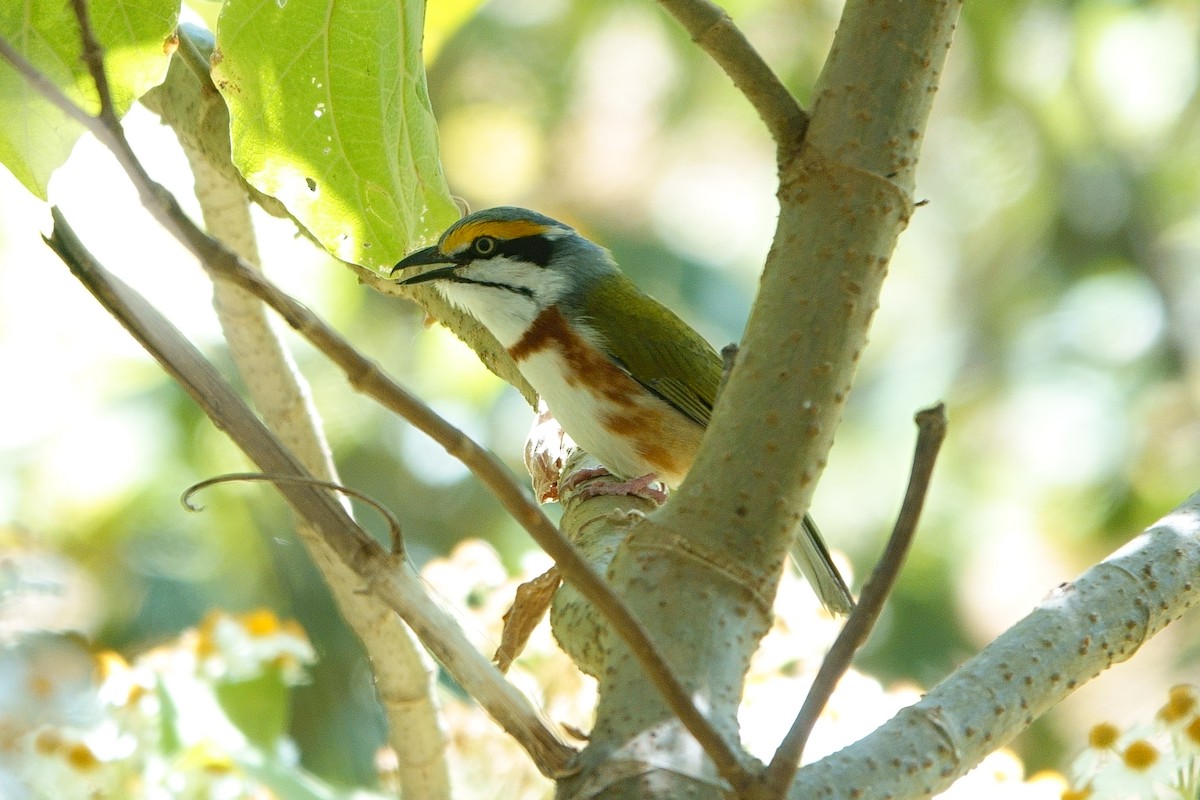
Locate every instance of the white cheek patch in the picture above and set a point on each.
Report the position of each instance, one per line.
(517, 294)
(546, 285)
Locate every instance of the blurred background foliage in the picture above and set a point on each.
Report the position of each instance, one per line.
(1048, 292)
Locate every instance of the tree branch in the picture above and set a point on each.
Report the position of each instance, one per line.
(93, 56)
(715, 33)
(1079, 630)
(931, 430)
(715, 551)
(405, 677)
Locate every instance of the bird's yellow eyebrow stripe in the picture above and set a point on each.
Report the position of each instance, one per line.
(500, 229)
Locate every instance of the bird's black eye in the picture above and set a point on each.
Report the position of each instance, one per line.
(484, 246)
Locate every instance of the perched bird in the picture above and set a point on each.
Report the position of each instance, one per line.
(628, 380)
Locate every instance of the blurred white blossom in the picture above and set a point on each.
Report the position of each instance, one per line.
(1154, 761)
(74, 724)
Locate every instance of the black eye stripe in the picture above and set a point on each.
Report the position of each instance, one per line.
(536, 249)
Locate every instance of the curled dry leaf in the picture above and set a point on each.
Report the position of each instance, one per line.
(529, 606)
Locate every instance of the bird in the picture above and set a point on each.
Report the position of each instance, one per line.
(625, 377)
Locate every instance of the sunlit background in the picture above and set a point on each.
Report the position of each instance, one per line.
(1048, 293)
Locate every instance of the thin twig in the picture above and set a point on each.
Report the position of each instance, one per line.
(367, 376)
(93, 56)
(395, 533)
(715, 33)
(931, 430)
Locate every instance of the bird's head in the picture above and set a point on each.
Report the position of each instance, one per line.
(505, 265)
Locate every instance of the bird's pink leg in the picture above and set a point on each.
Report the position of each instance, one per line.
(647, 486)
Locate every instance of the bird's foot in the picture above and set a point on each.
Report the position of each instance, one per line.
(647, 486)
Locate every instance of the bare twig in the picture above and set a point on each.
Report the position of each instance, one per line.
(93, 56)
(396, 535)
(931, 430)
(711, 28)
(367, 377)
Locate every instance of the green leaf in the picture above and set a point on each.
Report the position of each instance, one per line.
(331, 116)
(258, 706)
(35, 137)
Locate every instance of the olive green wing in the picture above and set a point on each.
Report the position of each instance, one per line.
(660, 350)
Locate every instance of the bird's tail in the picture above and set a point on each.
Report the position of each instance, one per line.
(812, 557)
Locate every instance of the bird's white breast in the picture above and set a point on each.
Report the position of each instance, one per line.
(580, 412)
(630, 430)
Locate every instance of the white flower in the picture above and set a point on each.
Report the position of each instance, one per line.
(237, 648)
(1101, 750)
(1142, 769)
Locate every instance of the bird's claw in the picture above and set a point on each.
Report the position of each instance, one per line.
(646, 486)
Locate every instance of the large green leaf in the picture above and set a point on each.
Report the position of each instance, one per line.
(35, 137)
(330, 114)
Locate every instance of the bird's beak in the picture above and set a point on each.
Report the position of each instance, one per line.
(421, 258)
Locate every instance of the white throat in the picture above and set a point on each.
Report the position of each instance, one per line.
(505, 312)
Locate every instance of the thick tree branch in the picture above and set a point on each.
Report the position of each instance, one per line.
(711, 557)
(773, 425)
